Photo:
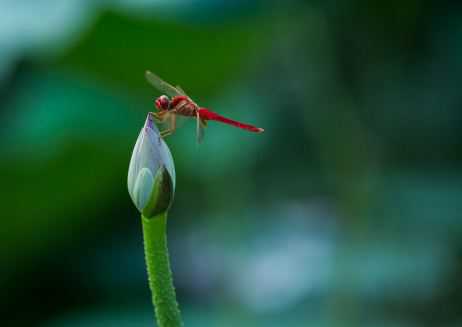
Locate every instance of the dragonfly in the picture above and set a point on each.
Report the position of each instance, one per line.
(175, 102)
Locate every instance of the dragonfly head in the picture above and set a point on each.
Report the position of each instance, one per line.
(163, 102)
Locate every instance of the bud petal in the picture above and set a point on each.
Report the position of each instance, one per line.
(143, 188)
(151, 174)
(161, 195)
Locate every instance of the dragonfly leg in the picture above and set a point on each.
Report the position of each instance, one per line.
(172, 127)
(158, 117)
(166, 133)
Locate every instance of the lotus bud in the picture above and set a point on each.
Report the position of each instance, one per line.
(151, 173)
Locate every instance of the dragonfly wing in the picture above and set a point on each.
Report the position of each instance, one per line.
(161, 85)
(181, 90)
(200, 128)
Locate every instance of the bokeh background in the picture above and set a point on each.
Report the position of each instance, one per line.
(345, 212)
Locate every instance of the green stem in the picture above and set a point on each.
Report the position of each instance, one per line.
(159, 273)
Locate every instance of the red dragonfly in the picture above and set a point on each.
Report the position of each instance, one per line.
(180, 103)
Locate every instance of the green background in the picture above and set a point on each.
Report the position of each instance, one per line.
(346, 211)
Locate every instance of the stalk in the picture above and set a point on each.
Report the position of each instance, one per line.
(159, 272)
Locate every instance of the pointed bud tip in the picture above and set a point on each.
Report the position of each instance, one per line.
(149, 121)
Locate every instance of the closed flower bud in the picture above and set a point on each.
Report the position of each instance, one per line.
(151, 174)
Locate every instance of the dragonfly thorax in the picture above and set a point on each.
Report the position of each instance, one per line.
(184, 106)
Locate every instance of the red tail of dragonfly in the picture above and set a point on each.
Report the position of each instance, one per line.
(206, 114)
(181, 104)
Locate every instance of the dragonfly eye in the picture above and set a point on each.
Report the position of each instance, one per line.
(163, 102)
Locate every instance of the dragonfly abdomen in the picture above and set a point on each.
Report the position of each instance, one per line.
(206, 114)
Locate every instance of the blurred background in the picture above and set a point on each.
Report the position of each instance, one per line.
(345, 212)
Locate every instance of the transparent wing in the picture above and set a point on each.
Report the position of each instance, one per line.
(161, 85)
(181, 90)
(200, 128)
